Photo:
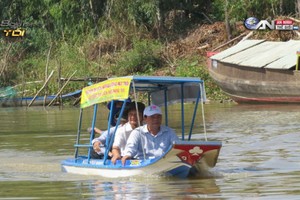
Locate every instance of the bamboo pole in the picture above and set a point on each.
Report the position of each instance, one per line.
(294, 19)
(25, 83)
(232, 40)
(60, 83)
(77, 101)
(46, 82)
(247, 36)
(61, 89)
(96, 79)
(46, 73)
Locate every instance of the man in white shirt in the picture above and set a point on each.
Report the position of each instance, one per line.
(135, 119)
(99, 142)
(150, 140)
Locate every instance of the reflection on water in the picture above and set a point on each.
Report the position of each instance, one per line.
(151, 188)
(260, 157)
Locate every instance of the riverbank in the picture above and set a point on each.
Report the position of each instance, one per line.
(183, 55)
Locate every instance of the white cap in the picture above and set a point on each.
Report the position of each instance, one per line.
(152, 110)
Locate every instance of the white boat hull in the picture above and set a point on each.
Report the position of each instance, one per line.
(177, 162)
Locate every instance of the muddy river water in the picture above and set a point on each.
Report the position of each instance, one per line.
(260, 157)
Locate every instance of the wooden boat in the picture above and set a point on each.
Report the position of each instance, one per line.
(184, 158)
(258, 71)
(39, 101)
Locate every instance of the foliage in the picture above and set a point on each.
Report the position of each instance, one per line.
(109, 38)
(191, 68)
(242, 9)
(142, 58)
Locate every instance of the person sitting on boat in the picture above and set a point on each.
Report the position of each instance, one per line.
(96, 130)
(99, 142)
(151, 139)
(115, 112)
(116, 109)
(99, 131)
(135, 119)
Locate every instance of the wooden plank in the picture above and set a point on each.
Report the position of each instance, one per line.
(241, 46)
(288, 58)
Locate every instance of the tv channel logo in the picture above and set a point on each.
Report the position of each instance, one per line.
(252, 23)
(12, 29)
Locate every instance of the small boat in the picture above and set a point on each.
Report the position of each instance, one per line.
(258, 71)
(187, 157)
(39, 100)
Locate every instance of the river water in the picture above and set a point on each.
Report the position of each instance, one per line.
(260, 157)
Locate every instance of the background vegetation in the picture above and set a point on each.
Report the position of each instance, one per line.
(112, 38)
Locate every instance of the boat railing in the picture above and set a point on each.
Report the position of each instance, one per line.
(110, 137)
(188, 91)
(298, 60)
(83, 145)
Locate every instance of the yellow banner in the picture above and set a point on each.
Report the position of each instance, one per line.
(112, 89)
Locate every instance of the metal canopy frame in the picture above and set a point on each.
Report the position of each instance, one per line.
(151, 85)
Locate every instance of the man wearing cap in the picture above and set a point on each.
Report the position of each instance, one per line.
(153, 137)
(135, 119)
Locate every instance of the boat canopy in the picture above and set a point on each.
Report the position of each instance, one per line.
(162, 90)
(261, 54)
